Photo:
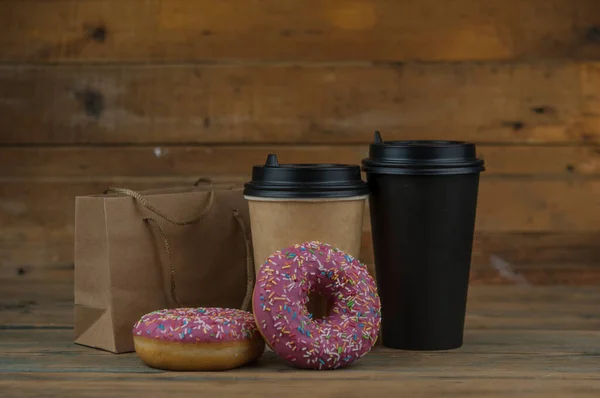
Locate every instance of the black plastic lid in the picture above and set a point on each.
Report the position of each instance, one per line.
(426, 157)
(305, 181)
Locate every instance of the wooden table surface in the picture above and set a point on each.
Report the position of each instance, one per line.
(521, 341)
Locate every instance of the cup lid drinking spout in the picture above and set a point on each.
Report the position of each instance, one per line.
(305, 180)
(421, 157)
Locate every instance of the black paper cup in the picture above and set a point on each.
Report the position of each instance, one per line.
(423, 201)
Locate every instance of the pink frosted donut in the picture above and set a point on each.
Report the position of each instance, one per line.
(197, 339)
(280, 298)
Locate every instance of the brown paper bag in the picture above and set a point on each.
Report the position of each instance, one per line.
(140, 252)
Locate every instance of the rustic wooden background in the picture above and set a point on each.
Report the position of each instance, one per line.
(149, 93)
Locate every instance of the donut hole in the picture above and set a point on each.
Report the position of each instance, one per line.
(319, 305)
(321, 293)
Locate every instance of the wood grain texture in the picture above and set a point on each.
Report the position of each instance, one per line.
(536, 205)
(46, 301)
(524, 341)
(545, 350)
(498, 258)
(538, 102)
(524, 226)
(527, 258)
(491, 265)
(33, 297)
(381, 30)
(216, 160)
(520, 340)
(478, 342)
(530, 386)
(43, 298)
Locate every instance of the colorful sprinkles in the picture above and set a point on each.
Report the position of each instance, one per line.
(197, 325)
(280, 299)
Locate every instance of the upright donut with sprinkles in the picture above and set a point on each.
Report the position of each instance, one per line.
(281, 294)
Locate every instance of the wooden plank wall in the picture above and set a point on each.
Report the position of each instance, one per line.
(145, 93)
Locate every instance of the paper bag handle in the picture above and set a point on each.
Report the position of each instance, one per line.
(170, 256)
(249, 261)
(140, 198)
(249, 257)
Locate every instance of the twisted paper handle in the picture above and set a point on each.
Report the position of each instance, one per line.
(249, 258)
(249, 261)
(140, 198)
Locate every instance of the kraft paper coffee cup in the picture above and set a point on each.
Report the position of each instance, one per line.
(423, 202)
(295, 203)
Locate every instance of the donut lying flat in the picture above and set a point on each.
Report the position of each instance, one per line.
(280, 298)
(197, 339)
